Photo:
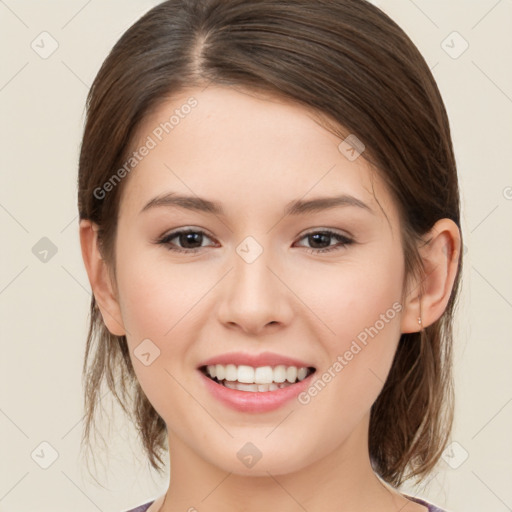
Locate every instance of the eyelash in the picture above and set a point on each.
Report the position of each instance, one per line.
(344, 241)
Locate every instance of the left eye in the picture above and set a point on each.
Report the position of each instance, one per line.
(192, 237)
(320, 237)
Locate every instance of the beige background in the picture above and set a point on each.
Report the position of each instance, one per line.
(44, 305)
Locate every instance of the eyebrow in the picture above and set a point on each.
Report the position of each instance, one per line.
(296, 207)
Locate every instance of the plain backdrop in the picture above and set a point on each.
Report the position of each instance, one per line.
(44, 296)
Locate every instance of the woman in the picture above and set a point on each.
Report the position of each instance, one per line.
(269, 219)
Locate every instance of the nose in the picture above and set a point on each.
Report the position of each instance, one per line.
(255, 297)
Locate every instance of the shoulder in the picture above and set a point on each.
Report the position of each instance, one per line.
(141, 508)
(430, 506)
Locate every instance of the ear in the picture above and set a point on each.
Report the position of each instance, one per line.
(427, 296)
(99, 278)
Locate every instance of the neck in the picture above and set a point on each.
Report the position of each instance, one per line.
(344, 477)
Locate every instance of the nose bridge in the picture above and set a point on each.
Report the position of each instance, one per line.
(254, 296)
(252, 279)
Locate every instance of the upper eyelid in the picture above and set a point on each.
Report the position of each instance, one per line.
(330, 230)
(179, 231)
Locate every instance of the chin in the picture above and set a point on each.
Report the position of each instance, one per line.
(248, 460)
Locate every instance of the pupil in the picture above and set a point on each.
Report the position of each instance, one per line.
(325, 237)
(187, 238)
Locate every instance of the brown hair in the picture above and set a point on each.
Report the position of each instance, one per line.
(350, 63)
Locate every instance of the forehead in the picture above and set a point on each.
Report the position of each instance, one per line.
(246, 151)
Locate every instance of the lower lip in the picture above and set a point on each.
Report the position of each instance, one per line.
(257, 401)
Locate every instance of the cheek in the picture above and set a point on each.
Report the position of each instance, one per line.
(157, 304)
(360, 309)
(156, 297)
(353, 295)
(362, 306)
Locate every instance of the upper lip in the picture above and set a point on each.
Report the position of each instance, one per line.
(255, 360)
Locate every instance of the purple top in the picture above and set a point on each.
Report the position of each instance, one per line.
(431, 508)
(141, 508)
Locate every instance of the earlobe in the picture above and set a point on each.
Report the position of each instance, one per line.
(99, 278)
(429, 295)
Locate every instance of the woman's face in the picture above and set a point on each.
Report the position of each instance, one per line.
(252, 279)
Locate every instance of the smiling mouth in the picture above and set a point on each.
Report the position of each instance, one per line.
(261, 379)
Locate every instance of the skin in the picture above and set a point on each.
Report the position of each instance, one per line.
(254, 154)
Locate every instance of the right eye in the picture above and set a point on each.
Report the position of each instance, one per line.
(185, 237)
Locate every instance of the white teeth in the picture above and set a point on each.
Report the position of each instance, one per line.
(255, 387)
(260, 376)
(263, 375)
(220, 371)
(291, 374)
(302, 373)
(246, 375)
(247, 387)
(231, 373)
(280, 373)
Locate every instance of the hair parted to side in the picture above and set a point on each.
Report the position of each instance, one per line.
(350, 63)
